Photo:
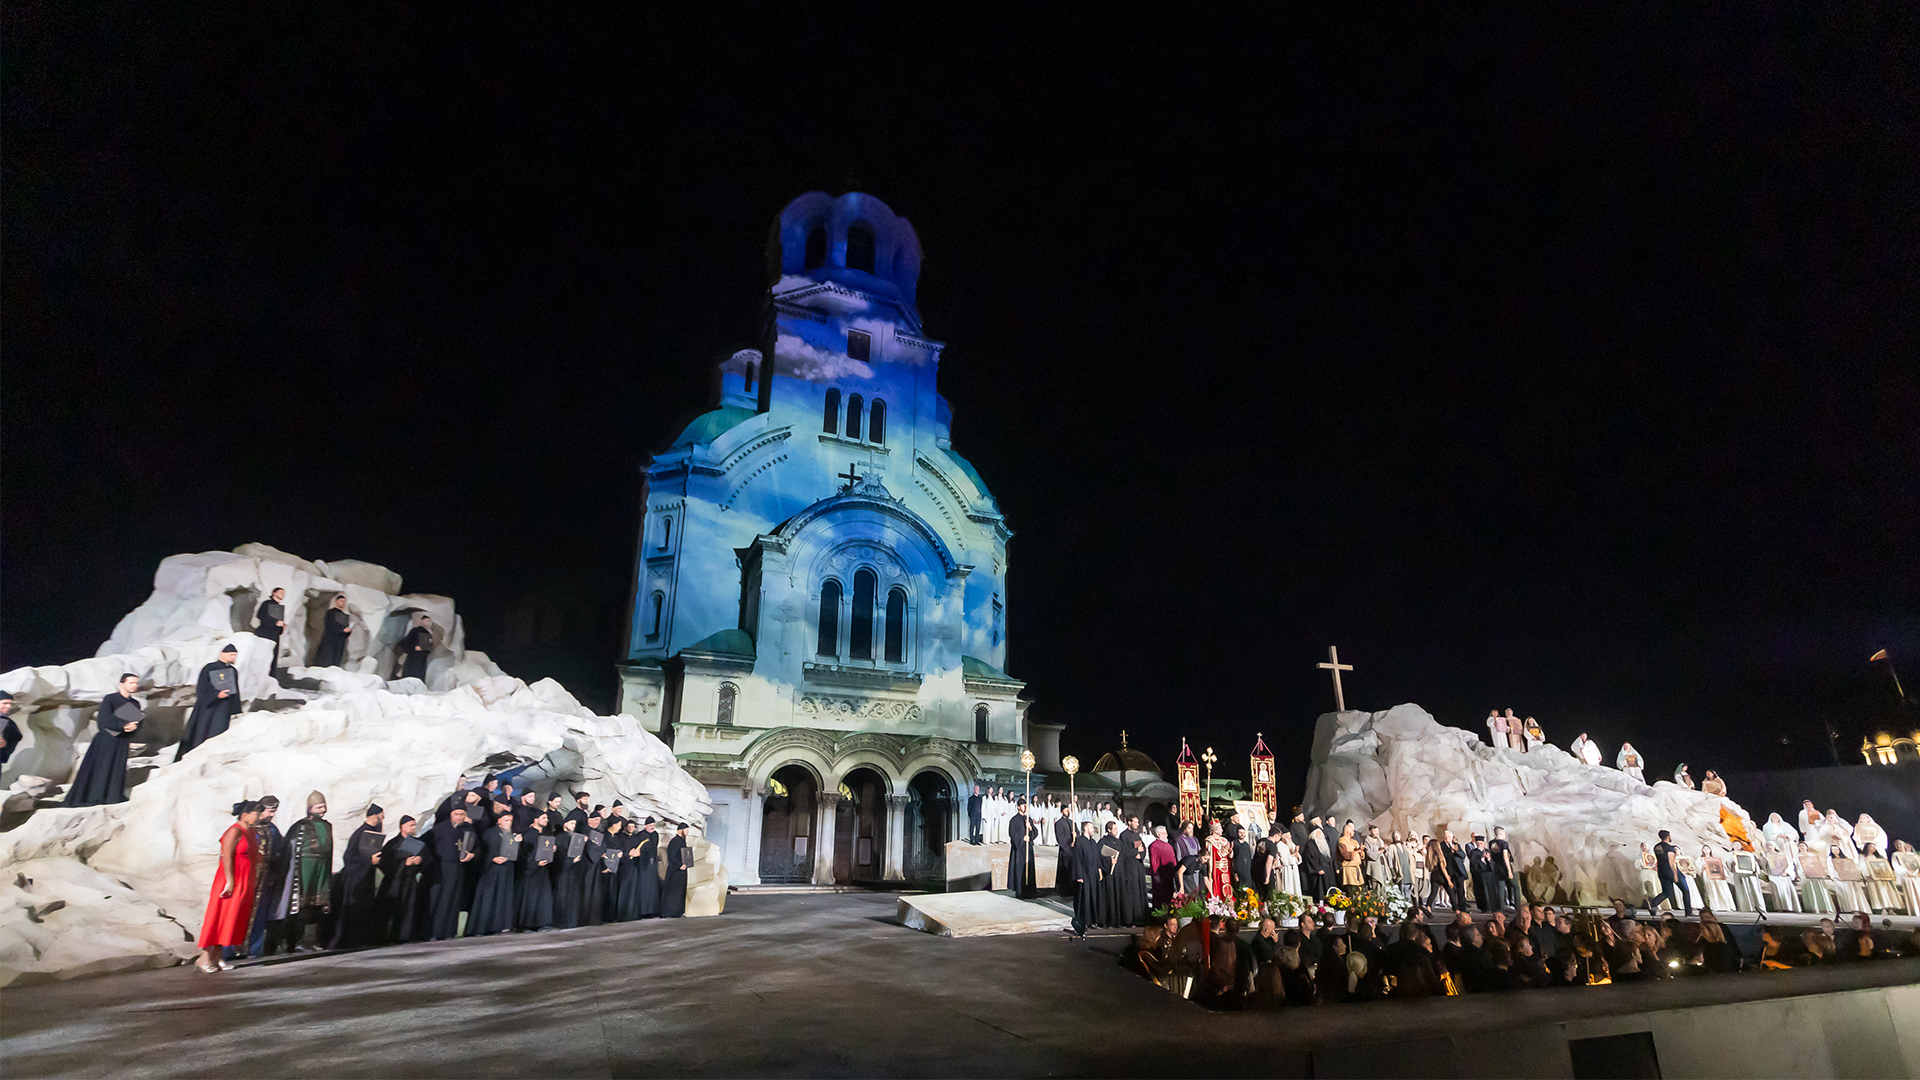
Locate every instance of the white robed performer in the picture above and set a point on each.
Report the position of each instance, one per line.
(1809, 820)
(1590, 753)
(1289, 867)
(1717, 895)
(1578, 747)
(1882, 895)
(1840, 834)
(1777, 828)
(1497, 730)
(1534, 735)
(1786, 889)
(1681, 777)
(1868, 831)
(1906, 869)
(1816, 894)
(1629, 762)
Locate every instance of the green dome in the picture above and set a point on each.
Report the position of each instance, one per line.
(726, 643)
(710, 426)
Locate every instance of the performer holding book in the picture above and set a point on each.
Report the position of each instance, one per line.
(102, 778)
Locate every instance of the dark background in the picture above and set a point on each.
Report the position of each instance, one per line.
(1568, 365)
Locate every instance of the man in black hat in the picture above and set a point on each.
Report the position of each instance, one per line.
(354, 899)
(213, 706)
(578, 815)
(10, 733)
(673, 891)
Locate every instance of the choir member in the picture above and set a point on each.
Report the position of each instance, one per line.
(230, 903)
(626, 905)
(213, 705)
(593, 882)
(453, 849)
(1063, 835)
(673, 891)
(310, 863)
(1086, 880)
(538, 849)
(355, 925)
(102, 778)
(1113, 862)
(493, 910)
(1020, 851)
(415, 649)
(1133, 875)
(269, 623)
(613, 855)
(9, 731)
(646, 858)
(405, 914)
(570, 872)
(334, 631)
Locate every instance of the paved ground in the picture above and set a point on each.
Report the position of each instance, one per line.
(782, 985)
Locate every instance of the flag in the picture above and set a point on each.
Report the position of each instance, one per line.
(1881, 655)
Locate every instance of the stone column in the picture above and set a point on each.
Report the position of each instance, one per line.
(829, 802)
(896, 838)
(756, 817)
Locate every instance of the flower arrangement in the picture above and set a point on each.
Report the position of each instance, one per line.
(1286, 906)
(1182, 906)
(1337, 901)
(1247, 907)
(1219, 909)
(1380, 902)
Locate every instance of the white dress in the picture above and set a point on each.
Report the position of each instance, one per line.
(1717, 895)
(1816, 894)
(1289, 871)
(1883, 895)
(1906, 867)
(1786, 893)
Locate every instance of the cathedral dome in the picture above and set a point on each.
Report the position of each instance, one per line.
(1130, 760)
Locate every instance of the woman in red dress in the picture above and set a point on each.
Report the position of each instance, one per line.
(230, 907)
(1219, 865)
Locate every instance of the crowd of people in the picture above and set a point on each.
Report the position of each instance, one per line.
(495, 861)
(1220, 965)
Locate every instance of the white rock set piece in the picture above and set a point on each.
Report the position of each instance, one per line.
(1401, 769)
(108, 887)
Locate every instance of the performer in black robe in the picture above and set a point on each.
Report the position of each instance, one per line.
(1063, 840)
(271, 622)
(271, 858)
(1113, 860)
(212, 709)
(1315, 863)
(570, 881)
(334, 630)
(415, 649)
(493, 909)
(673, 891)
(1020, 851)
(1133, 875)
(646, 861)
(578, 815)
(102, 778)
(626, 906)
(1086, 880)
(449, 889)
(356, 923)
(9, 731)
(535, 911)
(404, 914)
(594, 881)
(975, 804)
(525, 809)
(1242, 860)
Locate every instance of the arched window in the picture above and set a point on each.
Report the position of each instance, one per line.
(724, 715)
(896, 625)
(831, 422)
(860, 645)
(816, 247)
(829, 619)
(854, 405)
(979, 723)
(659, 606)
(860, 248)
(666, 532)
(877, 422)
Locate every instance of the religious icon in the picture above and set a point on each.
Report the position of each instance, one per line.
(1778, 865)
(1743, 863)
(1646, 861)
(1813, 866)
(1685, 864)
(1715, 869)
(1846, 870)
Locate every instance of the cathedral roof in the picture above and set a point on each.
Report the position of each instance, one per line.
(1131, 760)
(726, 643)
(973, 667)
(709, 426)
(967, 467)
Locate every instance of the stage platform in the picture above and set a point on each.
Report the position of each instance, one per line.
(978, 914)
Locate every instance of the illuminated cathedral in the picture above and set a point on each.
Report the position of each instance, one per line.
(820, 592)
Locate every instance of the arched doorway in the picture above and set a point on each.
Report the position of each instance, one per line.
(928, 818)
(786, 826)
(859, 829)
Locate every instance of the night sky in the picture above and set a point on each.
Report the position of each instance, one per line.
(1567, 365)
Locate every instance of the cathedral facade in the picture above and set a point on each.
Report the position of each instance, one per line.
(819, 605)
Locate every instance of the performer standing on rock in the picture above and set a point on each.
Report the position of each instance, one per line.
(230, 906)
(1630, 762)
(10, 733)
(415, 649)
(1063, 848)
(102, 778)
(216, 697)
(271, 622)
(337, 626)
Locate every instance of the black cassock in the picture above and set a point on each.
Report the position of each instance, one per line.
(593, 896)
(211, 714)
(1242, 862)
(646, 860)
(1314, 863)
(1113, 866)
(1133, 881)
(333, 639)
(268, 616)
(1086, 893)
(415, 648)
(403, 898)
(102, 778)
(1064, 839)
(569, 883)
(9, 738)
(626, 901)
(536, 883)
(1020, 855)
(974, 803)
(450, 881)
(355, 901)
(673, 891)
(493, 906)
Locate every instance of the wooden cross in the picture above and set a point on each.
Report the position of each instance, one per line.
(1334, 665)
(850, 476)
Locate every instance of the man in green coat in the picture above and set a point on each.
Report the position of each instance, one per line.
(310, 899)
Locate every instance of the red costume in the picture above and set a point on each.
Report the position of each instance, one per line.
(1219, 869)
(1164, 866)
(227, 917)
